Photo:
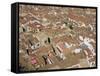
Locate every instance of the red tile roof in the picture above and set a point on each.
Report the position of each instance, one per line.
(89, 52)
(61, 46)
(76, 17)
(36, 25)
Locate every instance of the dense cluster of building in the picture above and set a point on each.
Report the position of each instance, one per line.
(56, 38)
